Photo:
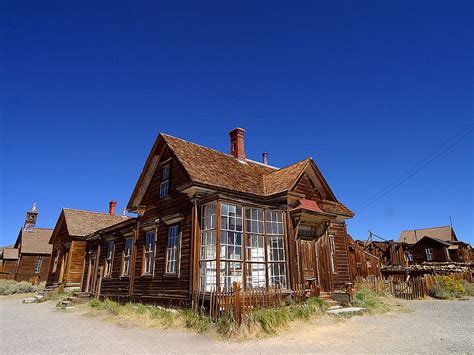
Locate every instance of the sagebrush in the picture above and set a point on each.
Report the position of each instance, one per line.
(10, 287)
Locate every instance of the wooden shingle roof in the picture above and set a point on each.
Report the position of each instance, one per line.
(81, 223)
(444, 233)
(35, 241)
(9, 253)
(212, 169)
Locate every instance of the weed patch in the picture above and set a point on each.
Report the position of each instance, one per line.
(10, 287)
(446, 288)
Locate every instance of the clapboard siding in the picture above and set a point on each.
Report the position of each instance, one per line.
(26, 268)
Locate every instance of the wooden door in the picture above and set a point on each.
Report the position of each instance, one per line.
(90, 271)
(308, 260)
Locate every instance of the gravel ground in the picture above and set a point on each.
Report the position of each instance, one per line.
(432, 327)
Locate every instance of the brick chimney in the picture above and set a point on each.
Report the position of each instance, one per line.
(112, 205)
(237, 143)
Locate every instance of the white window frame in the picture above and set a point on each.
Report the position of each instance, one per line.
(255, 247)
(231, 260)
(208, 249)
(173, 249)
(277, 273)
(39, 262)
(429, 254)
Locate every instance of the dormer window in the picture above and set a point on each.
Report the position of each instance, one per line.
(165, 181)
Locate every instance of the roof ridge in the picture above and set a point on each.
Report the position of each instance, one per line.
(420, 229)
(104, 213)
(50, 229)
(285, 167)
(218, 151)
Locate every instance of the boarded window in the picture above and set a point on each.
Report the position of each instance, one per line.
(127, 254)
(165, 180)
(39, 262)
(172, 250)
(148, 253)
(109, 259)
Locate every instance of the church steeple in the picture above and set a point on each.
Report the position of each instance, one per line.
(31, 217)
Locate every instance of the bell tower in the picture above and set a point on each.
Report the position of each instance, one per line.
(31, 216)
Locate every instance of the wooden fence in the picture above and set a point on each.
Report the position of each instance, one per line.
(237, 302)
(410, 289)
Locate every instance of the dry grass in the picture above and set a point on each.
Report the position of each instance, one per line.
(11, 287)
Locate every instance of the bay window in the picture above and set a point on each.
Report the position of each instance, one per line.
(207, 267)
(255, 248)
(275, 249)
(231, 230)
(246, 246)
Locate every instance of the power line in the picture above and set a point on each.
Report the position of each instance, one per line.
(421, 164)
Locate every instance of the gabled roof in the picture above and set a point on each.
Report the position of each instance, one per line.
(9, 253)
(35, 241)
(216, 170)
(440, 241)
(80, 223)
(212, 168)
(444, 233)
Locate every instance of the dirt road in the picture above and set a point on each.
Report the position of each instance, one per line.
(432, 327)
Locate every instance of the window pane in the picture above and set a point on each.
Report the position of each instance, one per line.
(230, 272)
(277, 275)
(172, 249)
(256, 275)
(208, 275)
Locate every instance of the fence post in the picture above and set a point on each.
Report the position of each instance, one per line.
(237, 305)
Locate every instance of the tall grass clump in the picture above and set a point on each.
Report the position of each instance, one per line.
(468, 287)
(370, 301)
(446, 288)
(10, 287)
(136, 313)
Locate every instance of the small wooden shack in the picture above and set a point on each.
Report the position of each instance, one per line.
(69, 244)
(8, 262)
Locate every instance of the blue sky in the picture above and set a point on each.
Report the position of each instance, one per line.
(370, 89)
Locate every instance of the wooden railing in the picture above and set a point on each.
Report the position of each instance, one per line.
(237, 302)
(413, 288)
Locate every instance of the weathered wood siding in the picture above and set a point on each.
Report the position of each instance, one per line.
(58, 244)
(8, 269)
(419, 253)
(161, 286)
(75, 264)
(26, 268)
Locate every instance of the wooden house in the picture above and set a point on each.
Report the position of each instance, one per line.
(438, 244)
(34, 251)
(390, 253)
(207, 219)
(8, 262)
(431, 250)
(69, 245)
